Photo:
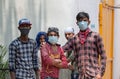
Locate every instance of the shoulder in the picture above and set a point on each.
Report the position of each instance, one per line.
(14, 42)
(32, 40)
(46, 45)
(94, 34)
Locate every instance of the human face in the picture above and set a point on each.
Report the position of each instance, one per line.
(83, 23)
(53, 37)
(53, 34)
(69, 35)
(24, 29)
(42, 39)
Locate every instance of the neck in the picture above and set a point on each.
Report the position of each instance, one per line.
(54, 48)
(24, 38)
(53, 45)
(84, 30)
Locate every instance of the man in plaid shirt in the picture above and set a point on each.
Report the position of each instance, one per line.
(23, 59)
(88, 47)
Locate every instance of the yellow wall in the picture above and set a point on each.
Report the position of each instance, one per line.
(106, 21)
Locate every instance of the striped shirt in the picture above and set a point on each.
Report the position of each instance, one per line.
(87, 54)
(23, 58)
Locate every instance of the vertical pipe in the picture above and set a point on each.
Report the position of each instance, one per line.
(100, 17)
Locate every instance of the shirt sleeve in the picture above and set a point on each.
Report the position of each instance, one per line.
(12, 51)
(64, 59)
(68, 46)
(35, 57)
(71, 56)
(103, 56)
(45, 55)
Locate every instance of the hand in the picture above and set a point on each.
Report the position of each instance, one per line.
(37, 74)
(98, 76)
(37, 77)
(70, 67)
(42, 44)
(68, 60)
(58, 63)
(12, 74)
(58, 60)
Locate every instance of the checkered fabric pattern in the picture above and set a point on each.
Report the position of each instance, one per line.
(87, 54)
(23, 59)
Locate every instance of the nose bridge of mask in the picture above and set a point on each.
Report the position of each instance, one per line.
(83, 22)
(53, 39)
(83, 25)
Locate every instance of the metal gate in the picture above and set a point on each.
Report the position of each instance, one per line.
(106, 21)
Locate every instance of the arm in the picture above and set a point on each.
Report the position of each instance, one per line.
(102, 54)
(71, 57)
(45, 56)
(35, 60)
(37, 74)
(12, 51)
(64, 62)
(69, 46)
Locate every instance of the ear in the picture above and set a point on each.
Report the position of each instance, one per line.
(30, 27)
(58, 36)
(18, 27)
(77, 22)
(89, 22)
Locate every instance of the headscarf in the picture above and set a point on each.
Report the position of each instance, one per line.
(38, 38)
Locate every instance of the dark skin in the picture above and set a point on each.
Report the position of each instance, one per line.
(56, 62)
(98, 76)
(83, 19)
(24, 39)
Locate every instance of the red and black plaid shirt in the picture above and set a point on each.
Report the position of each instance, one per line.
(87, 54)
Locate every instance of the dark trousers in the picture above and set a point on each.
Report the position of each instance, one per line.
(74, 75)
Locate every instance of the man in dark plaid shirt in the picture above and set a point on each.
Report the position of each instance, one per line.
(23, 59)
(88, 47)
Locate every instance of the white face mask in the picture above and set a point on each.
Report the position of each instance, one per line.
(83, 25)
(53, 39)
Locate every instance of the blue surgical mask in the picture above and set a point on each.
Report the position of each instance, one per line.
(53, 39)
(83, 25)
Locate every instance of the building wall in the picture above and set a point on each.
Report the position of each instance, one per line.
(62, 14)
(43, 14)
(116, 63)
(47, 13)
